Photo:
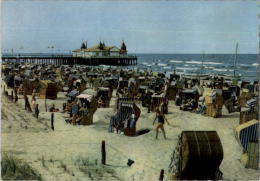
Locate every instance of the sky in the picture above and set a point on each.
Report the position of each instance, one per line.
(145, 26)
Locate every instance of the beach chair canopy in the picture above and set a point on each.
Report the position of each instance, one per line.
(105, 83)
(46, 82)
(141, 78)
(211, 92)
(27, 72)
(16, 78)
(92, 74)
(158, 95)
(143, 87)
(251, 102)
(103, 89)
(189, 91)
(74, 77)
(73, 93)
(111, 78)
(90, 92)
(8, 67)
(85, 96)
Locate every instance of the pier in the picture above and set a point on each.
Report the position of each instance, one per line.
(71, 60)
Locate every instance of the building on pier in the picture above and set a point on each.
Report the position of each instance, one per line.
(100, 50)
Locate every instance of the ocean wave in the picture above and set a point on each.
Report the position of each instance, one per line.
(200, 62)
(221, 70)
(244, 65)
(255, 64)
(162, 64)
(167, 67)
(206, 67)
(213, 63)
(193, 62)
(176, 61)
(184, 68)
(254, 71)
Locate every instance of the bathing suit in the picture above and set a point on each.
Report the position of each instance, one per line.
(160, 119)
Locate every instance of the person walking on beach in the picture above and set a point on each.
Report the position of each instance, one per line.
(161, 120)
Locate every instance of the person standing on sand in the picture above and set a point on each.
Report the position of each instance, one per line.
(161, 120)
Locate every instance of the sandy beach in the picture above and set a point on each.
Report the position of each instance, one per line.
(72, 152)
(130, 90)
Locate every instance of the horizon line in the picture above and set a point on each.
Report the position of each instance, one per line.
(162, 53)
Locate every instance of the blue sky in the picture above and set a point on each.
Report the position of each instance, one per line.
(145, 26)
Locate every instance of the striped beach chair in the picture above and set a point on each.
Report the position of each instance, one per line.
(247, 132)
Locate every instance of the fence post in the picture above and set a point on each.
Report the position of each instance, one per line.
(161, 175)
(103, 152)
(12, 95)
(52, 121)
(37, 111)
(46, 104)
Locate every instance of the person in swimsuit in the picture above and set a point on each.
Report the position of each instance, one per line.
(161, 120)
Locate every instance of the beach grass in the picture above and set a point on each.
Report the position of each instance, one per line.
(15, 169)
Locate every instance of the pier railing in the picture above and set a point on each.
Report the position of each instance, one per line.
(70, 60)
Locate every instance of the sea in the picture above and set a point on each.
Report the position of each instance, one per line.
(246, 65)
